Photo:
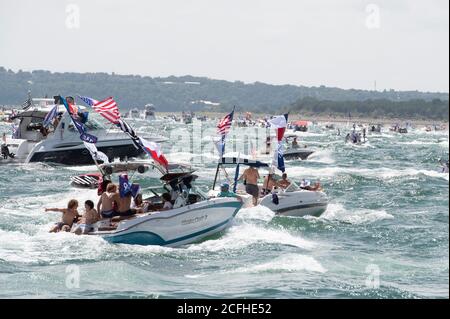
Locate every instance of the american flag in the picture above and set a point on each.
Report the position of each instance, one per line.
(224, 125)
(108, 109)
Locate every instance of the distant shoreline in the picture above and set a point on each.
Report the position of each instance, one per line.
(323, 118)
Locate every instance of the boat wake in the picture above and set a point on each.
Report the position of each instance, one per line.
(337, 212)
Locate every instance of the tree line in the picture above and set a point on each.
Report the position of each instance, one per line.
(189, 93)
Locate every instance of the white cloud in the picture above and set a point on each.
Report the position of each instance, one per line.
(310, 42)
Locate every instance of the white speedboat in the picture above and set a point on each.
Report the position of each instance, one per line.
(194, 216)
(61, 143)
(149, 112)
(293, 201)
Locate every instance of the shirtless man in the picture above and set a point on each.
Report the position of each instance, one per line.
(124, 206)
(69, 215)
(284, 182)
(87, 221)
(269, 184)
(105, 204)
(251, 177)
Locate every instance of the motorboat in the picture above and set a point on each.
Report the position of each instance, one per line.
(187, 117)
(60, 142)
(300, 126)
(292, 201)
(149, 112)
(375, 128)
(194, 216)
(296, 151)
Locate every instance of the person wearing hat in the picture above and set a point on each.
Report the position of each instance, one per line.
(225, 191)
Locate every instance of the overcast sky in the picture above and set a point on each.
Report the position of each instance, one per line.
(302, 42)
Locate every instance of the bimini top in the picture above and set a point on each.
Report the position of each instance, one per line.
(244, 161)
(300, 123)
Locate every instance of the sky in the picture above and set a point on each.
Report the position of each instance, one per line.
(400, 44)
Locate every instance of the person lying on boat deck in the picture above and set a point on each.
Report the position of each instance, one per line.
(107, 200)
(295, 143)
(167, 204)
(139, 204)
(250, 177)
(69, 214)
(269, 184)
(87, 221)
(306, 185)
(284, 182)
(225, 191)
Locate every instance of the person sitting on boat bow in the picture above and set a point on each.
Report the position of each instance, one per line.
(107, 200)
(284, 182)
(87, 221)
(127, 191)
(295, 143)
(69, 215)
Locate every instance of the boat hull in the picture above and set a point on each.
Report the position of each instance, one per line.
(296, 154)
(298, 203)
(176, 227)
(79, 155)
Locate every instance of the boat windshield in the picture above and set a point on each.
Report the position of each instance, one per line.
(93, 123)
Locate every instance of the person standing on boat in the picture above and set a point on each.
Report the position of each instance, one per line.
(269, 184)
(250, 177)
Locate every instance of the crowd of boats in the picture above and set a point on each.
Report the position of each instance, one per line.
(177, 212)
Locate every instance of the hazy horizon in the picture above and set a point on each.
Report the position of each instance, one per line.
(308, 43)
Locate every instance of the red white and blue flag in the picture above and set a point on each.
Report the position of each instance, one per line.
(154, 150)
(84, 136)
(223, 128)
(280, 124)
(108, 109)
(89, 101)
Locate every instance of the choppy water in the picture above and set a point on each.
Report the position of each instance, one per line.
(388, 218)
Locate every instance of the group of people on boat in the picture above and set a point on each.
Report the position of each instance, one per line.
(111, 203)
(270, 185)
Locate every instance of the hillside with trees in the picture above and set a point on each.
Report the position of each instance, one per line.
(200, 93)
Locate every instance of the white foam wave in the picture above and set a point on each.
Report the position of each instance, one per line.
(286, 263)
(338, 212)
(322, 156)
(244, 235)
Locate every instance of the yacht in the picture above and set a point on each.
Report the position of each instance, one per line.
(60, 143)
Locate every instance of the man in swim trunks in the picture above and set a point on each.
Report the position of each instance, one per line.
(69, 215)
(124, 206)
(105, 204)
(251, 176)
(269, 184)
